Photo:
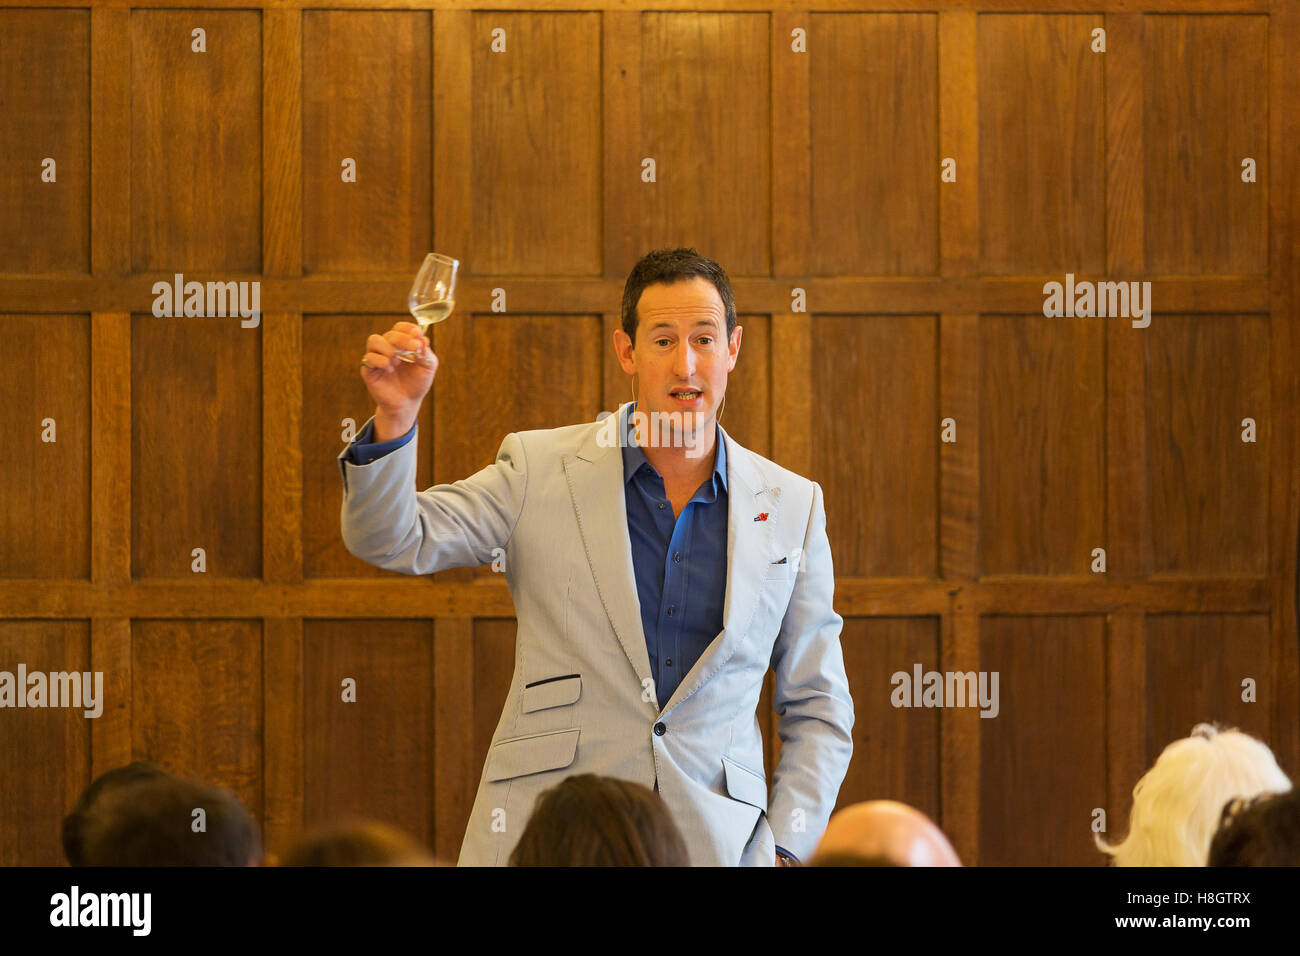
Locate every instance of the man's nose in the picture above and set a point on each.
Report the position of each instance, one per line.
(684, 361)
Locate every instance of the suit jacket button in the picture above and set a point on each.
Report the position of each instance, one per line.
(660, 729)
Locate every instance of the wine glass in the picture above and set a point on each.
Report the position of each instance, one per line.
(433, 295)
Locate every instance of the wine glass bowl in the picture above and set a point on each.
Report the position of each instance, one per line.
(432, 296)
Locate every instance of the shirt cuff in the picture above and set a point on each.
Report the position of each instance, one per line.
(364, 449)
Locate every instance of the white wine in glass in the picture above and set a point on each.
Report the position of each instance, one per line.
(433, 295)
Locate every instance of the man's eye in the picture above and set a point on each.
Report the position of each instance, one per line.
(706, 339)
(660, 341)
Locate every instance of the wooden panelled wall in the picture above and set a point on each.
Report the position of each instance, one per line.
(818, 170)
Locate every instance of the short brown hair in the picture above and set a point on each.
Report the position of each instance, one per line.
(667, 266)
(590, 820)
(357, 843)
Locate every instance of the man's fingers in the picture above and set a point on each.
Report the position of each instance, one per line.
(380, 344)
(404, 340)
(376, 361)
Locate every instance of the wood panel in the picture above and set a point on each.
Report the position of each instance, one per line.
(371, 757)
(45, 761)
(367, 97)
(1195, 666)
(196, 125)
(747, 414)
(1042, 144)
(875, 154)
(705, 89)
(1202, 74)
(196, 705)
(553, 368)
(45, 115)
(895, 749)
(874, 393)
(1208, 486)
(536, 119)
(45, 515)
(196, 453)
(1042, 759)
(1042, 431)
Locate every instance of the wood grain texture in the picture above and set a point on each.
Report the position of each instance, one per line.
(1208, 489)
(45, 507)
(45, 760)
(705, 89)
(875, 155)
(196, 387)
(1042, 145)
(1042, 465)
(45, 111)
(371, 758)
(895, 749)
(367, 97)
(196, 702)
(536, 117)
(1200, 217)
(1043, 757)
(196, 191)
(874, 395)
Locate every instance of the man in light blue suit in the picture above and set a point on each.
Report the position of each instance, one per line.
(658, 569)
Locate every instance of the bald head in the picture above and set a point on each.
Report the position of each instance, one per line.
(885, 830)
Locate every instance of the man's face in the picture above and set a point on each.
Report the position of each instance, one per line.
(681, 356)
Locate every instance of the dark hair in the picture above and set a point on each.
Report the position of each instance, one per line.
(84, 811)
(851, 859)
(590, 820)
(1260, 832)
(149, 823)
(668, 266)
(360, 843)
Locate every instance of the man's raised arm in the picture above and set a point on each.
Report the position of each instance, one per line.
(383, 519)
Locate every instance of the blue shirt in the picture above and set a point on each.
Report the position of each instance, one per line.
(680, 563)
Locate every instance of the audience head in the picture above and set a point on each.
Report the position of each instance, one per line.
(883, 833)
(1178, 803)
(590, 820)
(1259, 831)
(87, 806)
(359, 843)
(152, 822)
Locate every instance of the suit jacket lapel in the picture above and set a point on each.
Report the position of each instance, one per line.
(595, 476)
(750, 544)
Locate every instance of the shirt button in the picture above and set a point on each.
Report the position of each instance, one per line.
(670, 611)
(669, 662)
(677, 557)
(660, 729)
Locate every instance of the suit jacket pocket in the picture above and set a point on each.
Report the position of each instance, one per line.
(554, 692)
(534, 753)
(745, 785)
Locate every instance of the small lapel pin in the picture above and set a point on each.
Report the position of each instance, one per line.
(761, 516)
(782, 561)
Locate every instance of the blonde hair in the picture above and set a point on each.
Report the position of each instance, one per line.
(1178, 803)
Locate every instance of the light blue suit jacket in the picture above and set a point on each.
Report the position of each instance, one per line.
(552, 507)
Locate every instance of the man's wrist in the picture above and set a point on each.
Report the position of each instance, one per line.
(393, 424)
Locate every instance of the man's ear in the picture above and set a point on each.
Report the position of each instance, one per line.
(623, 351)
(733, 347)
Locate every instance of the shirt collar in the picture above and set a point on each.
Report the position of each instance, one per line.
(634, 457)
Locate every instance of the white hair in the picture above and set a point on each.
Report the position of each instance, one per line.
(1178, 803)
